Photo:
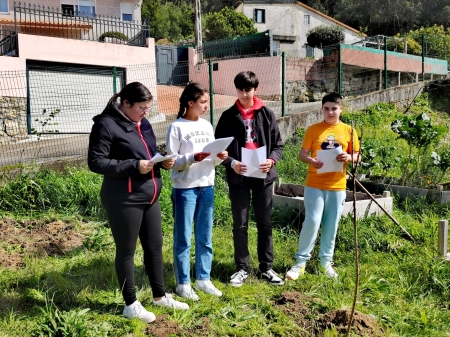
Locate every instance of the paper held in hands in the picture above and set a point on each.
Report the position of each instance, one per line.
(159, 157)
(252, 159)
(330, 164)
(217, 146)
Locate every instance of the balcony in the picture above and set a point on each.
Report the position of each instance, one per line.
(37, 20)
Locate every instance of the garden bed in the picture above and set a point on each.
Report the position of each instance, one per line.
(291, 195)
(437, 194)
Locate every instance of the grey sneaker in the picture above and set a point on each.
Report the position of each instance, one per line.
(296, 270)
(186, 291)
(168, 302)
(329, 270)
(238, 278)
(136, 310)
(207, 287)
(272, 277)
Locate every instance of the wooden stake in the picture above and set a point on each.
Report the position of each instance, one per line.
(443, 238)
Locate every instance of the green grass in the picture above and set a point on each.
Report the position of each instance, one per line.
(405, 286)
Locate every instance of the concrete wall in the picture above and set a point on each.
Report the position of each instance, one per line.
(374, 58)
(268, 70)
(399, 95)
(54, 49)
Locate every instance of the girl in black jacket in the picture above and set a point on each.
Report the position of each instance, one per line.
(121, 145)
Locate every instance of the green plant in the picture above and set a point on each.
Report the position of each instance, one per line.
(419, 132)
(56, 323)
(324, 35)
(116, 35)
(45, 121)
(228, 23)
(442, 161)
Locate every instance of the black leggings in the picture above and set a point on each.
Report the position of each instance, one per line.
(127, 222)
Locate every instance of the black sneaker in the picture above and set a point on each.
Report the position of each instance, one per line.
(272, 277)
(238, 278)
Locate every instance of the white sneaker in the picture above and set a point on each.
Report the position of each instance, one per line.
(238, 278)
(207, 287)
(297, 270)
(136, 310)
(168, 302)
(186, 291)
(329, 270)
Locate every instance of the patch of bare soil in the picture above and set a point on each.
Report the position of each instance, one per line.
(162, 327)
(33, 237)
(298, 307)
(362, 325)
(294, 304)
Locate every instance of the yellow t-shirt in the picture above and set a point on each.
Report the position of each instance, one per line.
(322, 136)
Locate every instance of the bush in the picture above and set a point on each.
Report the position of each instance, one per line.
(322, 36)
(116, 35)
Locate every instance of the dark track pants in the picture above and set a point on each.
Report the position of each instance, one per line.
(128, 222)
(261, 198)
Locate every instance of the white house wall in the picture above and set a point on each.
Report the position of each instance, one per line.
(288, 20)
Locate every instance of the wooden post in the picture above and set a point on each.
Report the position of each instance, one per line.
(443, 239)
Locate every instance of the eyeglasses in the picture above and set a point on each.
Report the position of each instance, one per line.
(145, 109)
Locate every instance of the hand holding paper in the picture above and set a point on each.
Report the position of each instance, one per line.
(217, 146)
(159, 157)
(252, 159)
(330, 164)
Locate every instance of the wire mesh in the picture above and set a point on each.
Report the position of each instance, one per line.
(46, 112)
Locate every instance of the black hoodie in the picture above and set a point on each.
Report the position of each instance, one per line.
(231, 124)
(115, 150)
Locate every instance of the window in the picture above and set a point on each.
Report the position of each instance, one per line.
(260, 15)
(126, 11)
(78, 7)
(306, 19)
(309, 51)
(67, 10)
(4, 6)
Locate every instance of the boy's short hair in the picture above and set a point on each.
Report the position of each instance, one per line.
(246, 80)
(332, 97)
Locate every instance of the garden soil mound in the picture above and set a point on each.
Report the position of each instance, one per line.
(35, 238)
(299, 307)
(162, 327)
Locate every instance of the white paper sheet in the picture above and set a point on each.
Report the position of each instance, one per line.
(159, 157)
(330, 164)
(252, 159)
(217, 146)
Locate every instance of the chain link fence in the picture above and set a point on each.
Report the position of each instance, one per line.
(46, 111)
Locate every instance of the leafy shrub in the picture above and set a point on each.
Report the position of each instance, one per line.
(323, 35)
(117, 35)
(228, 24)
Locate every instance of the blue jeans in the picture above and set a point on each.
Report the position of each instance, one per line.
(321, 206)
(197, 205)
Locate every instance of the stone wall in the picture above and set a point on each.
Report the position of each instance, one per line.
(13, 119)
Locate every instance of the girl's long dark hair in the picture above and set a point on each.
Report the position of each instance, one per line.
(134, 92)
(192, 92)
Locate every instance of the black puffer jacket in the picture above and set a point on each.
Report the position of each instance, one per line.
(115, 149)
(231, 124)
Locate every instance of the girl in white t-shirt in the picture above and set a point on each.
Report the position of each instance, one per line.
(193, 191)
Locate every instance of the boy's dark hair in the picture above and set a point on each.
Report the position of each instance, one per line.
(332, 97)
(246, 80)
(134, 92)
(192, 92)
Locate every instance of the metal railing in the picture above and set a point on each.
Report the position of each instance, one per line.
(242, 46)
(8, 42)
(41, 20)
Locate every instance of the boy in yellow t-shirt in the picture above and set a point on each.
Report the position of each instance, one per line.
(324, 192)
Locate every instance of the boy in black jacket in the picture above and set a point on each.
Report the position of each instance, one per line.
(252, 125)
